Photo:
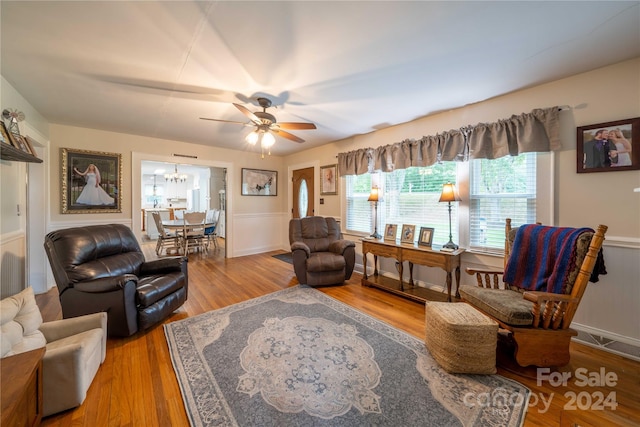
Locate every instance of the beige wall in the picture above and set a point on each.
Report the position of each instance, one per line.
(610, 307)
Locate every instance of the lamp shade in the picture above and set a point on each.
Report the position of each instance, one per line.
(449, 193)
(373, 197)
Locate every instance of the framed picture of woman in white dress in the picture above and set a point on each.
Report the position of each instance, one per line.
(91, 181)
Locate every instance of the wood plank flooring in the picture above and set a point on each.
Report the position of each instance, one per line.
(136, 385)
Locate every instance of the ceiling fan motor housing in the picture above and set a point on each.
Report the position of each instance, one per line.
(266, 118)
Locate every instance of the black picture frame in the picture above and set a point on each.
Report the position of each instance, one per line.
(74, 197)
(593, 153)
(426, 236)
(259, 182)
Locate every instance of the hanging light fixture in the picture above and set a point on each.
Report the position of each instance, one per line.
(175, 176)
(263, 135)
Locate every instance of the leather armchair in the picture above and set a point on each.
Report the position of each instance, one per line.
(101, 268)
(320, 255)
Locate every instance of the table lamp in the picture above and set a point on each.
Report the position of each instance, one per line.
(449, 194)
(374, 197)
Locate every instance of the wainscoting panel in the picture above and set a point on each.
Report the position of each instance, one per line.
(12, 263)
(258, 232)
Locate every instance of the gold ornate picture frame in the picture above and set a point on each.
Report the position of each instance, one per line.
(91, 182)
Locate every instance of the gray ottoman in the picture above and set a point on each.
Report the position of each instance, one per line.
(460, 338)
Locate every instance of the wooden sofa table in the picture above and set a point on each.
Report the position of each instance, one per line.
(22, 388)
(413, 254)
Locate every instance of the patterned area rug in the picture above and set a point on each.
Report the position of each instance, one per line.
(284, 257)
(300, 358)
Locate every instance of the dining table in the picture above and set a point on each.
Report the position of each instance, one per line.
(178, 227)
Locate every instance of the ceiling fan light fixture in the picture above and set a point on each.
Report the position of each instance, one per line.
(267, 140)
(252, 138)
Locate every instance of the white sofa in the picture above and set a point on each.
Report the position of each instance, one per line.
(75, 348)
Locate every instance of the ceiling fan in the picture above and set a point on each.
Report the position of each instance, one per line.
(266, 125)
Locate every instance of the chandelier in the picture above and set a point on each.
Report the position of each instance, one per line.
(175, 176)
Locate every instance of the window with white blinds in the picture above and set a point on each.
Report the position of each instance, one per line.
(498, 189)
(409, 196)
(359, 216)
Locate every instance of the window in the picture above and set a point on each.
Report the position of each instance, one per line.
(500, 188)
(409, 196)
(520, 188)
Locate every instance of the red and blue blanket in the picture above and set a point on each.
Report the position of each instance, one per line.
(542, 257)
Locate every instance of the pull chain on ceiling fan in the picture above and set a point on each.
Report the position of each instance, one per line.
(266, 125)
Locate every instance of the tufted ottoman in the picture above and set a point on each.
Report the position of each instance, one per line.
(460, 338)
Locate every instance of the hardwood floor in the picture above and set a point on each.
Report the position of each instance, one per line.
(136, 385)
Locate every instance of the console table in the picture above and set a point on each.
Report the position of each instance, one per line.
(421, 255)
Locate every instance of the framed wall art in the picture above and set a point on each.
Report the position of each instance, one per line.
(426, 236)
(4, 134)
(328, 180)
(259, 182)
(20, 143)
(91, 181)
(407, 233)
(390, 231)
(609, 147)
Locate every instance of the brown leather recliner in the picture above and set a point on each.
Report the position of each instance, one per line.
(101, 268)
(320, 255)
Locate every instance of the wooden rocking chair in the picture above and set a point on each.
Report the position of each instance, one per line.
(537, 322)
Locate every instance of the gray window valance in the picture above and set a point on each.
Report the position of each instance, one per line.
(537, 131)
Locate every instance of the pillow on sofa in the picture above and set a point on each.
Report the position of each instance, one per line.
(20, 320)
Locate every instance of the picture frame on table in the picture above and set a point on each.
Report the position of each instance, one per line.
(426, 236)
(407, 235)
(90, 181)
(259, 182)
(328, 180)
(390, 232)
(608, 147)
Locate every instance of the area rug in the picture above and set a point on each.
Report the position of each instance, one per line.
(286, 257)
(298, 357)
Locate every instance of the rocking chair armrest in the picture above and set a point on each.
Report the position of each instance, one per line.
(486, 277)
(555, 307)
(473, 271)
(537, 297)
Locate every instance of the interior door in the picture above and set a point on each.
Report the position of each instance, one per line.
(303, 193)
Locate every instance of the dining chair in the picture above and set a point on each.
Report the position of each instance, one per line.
(166, 240)
(211, 221)
(193, 231)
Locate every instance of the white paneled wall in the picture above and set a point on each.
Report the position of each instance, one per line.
(259, 232)
(12, 263)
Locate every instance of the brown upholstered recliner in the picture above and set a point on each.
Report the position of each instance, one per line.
(102, 268)
(320, 255)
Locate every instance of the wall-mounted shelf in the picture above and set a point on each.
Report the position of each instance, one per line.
(9, 152)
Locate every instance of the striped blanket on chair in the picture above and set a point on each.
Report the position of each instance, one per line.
(542, 257)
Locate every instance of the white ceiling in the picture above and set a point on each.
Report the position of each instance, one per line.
(153, 68)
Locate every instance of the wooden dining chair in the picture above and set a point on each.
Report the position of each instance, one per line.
(210, 231)
(193, 231)
(166, 240)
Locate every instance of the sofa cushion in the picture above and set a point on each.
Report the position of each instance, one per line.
(503, 304)
(20, 319)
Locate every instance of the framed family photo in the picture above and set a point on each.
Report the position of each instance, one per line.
(609, 147)
(259, 182)
(91, 181)
(407, 234)
(426, 236)
(390, 232)
(328, 179)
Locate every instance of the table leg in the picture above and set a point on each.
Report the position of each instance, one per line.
(364, 264)
(448, 286)
(410, 273)
(375, 265)
(458, 282)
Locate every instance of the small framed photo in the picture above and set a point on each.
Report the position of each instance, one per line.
(258, 182)
(407, 233)
(426, 236)
(609, 147)
(20, 143)
(328, 180)
(4, 134)
(390, 232)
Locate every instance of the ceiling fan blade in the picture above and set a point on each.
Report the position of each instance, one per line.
(287, 135)
(255, 119)
(294, 126)
(227, 121)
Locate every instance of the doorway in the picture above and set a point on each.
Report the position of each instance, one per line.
(303, 194)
